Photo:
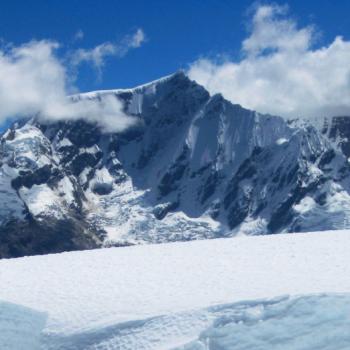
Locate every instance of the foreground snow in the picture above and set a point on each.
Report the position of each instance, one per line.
(189, 294)
(20, 327)
(311, 322)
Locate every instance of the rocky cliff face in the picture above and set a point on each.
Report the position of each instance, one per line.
(194, 166)
(337, 129)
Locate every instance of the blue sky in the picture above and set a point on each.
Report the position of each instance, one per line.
(288, 59)
(178, 32)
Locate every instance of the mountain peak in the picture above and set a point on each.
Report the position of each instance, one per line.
(197, 167)
(178, 76)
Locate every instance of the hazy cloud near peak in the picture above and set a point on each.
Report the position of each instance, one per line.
(99, 53)
(34, 81)
(136, 40)
(280, 72)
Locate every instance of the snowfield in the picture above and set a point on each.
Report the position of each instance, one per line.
(265, 292)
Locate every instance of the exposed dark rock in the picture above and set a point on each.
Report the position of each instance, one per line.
(326, 158)
(339, 127)
(43, 237)
(38, 177)
(102, 188)
(209, 186)
(83, 160)
(174, 174)
(161, 210)
(284, 214)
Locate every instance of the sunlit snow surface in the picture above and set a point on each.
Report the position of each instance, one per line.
(216, 294)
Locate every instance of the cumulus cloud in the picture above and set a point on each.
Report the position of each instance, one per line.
(281, 71)
(34, 81)
(98, 54)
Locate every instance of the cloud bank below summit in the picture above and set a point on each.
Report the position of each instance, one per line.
(281, 72)
(35, 81)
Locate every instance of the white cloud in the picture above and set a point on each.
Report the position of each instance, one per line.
(281, 72)
(135, 41)
(34, 82)
(96, 55)
(107, 112)
(99, 53)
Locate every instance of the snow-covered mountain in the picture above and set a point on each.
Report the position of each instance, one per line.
(194, 166)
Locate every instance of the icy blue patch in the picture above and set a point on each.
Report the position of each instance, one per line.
(304, 323)
(20, 327)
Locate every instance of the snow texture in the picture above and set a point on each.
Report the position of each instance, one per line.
(182, 294)
(309, 322)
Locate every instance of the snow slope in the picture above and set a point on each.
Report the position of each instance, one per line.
(164, 296)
